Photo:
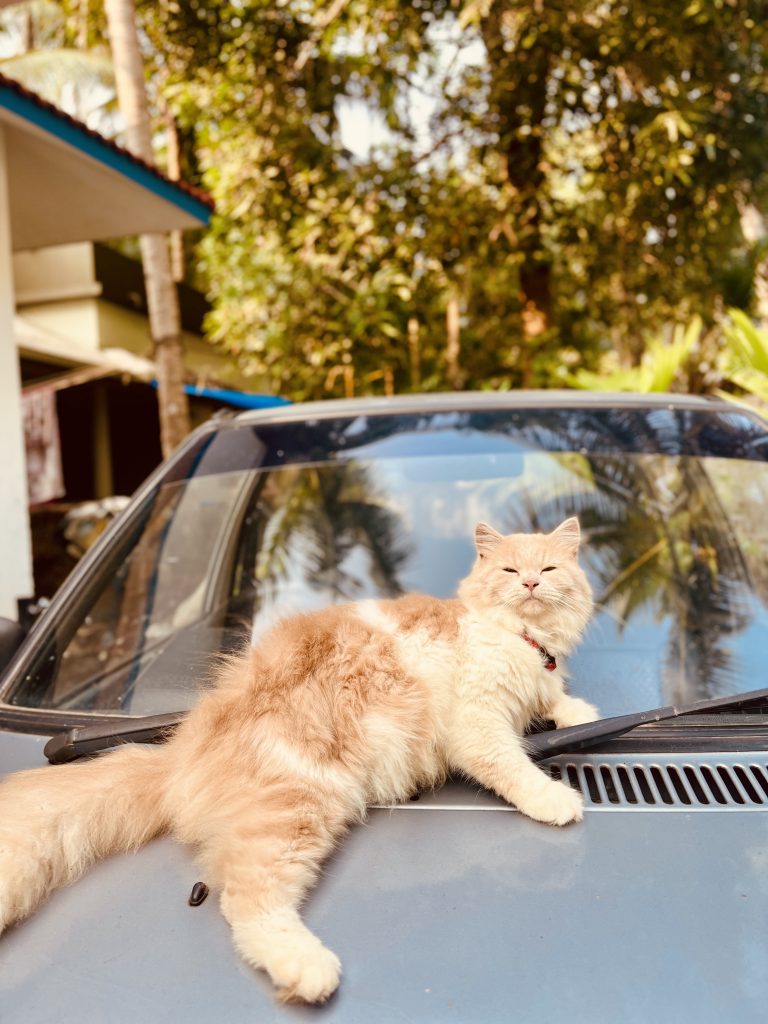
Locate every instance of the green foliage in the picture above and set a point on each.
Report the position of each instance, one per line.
(573, 177)
(744, 357)
(578, 182)
(660, 366)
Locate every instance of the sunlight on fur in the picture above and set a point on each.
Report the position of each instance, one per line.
(332, 711)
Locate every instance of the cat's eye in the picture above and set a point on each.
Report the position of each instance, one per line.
(507, 569)
(549, 568)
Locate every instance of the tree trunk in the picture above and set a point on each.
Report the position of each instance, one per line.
(82, 12)
(162, 300)
(453, 342)
(174, 173)
(518, 97)
(28, 31)
(414, 353)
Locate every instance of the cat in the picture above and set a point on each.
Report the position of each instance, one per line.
(330, 712)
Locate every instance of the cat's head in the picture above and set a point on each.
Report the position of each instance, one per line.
(532, 577)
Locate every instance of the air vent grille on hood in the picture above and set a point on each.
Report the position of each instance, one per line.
(718, 783)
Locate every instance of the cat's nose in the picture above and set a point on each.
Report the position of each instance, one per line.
(530, 584)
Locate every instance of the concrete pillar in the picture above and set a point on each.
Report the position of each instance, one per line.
(15, 540)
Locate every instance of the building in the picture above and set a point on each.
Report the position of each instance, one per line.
(60, 183)
(82, 330)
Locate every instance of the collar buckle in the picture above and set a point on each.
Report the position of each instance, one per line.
(550, 662)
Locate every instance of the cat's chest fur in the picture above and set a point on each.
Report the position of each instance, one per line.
(497, 665)
(482, 661)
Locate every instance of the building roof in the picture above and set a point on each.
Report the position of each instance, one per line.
(68, 183)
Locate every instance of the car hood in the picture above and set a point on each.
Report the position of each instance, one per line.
(450, 908)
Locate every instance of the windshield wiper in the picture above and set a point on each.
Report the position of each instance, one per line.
(542, 745)
(83, 740)
(91, 739)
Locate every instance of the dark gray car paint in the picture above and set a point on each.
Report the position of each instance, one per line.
(438, 914)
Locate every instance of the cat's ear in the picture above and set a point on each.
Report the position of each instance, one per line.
(568, 533)
(486, 538)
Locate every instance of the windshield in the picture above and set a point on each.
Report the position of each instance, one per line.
(262, 521)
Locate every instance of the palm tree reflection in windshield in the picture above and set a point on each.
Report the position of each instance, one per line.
(664, 546)
(659, 539)
(323, 528)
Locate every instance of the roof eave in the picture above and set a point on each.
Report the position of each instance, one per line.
(18, 101)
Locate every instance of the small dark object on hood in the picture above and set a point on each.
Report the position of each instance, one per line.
(198, 895)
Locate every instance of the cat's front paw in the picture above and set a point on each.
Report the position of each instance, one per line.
(574, 711)
(554, 804)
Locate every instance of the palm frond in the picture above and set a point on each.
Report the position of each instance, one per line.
(662, 361)
(748, 344)
(48, 23)
(81, 83)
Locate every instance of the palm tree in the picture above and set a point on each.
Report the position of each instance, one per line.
(77, 80)
(162, 299)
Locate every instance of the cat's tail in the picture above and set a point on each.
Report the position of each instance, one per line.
(55, 822)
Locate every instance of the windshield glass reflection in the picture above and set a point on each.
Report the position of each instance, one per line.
(674, 531)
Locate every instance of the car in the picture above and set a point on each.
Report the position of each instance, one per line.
(452, 906)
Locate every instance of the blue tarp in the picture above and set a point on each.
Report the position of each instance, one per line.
(237, 399)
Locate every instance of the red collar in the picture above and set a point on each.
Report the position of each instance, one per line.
(549, 660)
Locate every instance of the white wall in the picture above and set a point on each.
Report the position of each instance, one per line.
(15, 543)
(56, 272)
(57, 290)
(72, 326)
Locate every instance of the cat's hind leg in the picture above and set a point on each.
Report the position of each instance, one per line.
(264, 859)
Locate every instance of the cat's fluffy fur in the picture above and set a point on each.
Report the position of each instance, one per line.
(332, 711)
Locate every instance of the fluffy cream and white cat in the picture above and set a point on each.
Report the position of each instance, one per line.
(330, 712)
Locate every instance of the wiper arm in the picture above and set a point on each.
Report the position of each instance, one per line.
(83, 740)
(542, 745)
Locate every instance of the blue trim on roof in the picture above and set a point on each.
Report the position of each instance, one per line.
(94, 146)
(237, 399)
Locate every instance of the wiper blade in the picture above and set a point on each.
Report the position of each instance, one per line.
(83, 740)
(542, 745)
